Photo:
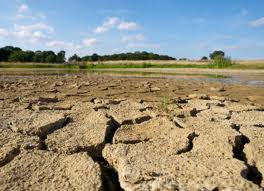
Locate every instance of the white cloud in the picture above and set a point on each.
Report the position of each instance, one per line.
(127, 26)
(70, 47)
(23, 8)
(3, 32)
(33, 27)
(257, 23)
(27, 33)
(138, 37)
(24, 13)
(32, 37)
(38, 35)
(115, 22)
(89, 42)
(33, 33)
(57, 43)
(22, 35)
(107, 25)
(20, 16)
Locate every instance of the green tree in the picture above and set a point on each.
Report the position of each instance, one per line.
(204, 58)
(38, 57)
(128, 56)
(217, 53)
(3, 56)
(61, 57)
(49, 57)
(75, 58)
(17, 56)
(29, 55)
(95, 57)
(6, 51)
(183, 59)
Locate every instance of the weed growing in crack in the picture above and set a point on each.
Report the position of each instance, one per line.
(165, 104)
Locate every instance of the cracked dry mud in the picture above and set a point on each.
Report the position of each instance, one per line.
(81, 135)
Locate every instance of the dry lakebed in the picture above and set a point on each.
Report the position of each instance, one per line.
(102, 131)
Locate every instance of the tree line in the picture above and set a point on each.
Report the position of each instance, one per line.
(16, 54)
(123, 56)
(139, 56)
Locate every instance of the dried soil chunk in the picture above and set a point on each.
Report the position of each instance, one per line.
(156, 155)
(41, 170)
(37, 123)
(128, 112)
(12, 143)
(87, 133)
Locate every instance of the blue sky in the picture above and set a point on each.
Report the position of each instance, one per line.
(180, 28)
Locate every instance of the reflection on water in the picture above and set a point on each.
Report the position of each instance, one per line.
(229, 79)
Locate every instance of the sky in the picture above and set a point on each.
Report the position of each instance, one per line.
(179, 28)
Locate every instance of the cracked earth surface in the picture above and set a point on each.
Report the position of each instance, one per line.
(105, 133)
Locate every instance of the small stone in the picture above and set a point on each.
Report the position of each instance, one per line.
(179, 123)
(199, 96)
(48, 99)
(56, 84)
(217, 98)
(180, 101)
(193, 96)
(155, 89)
(220, 89)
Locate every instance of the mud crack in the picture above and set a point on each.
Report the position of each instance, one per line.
(189, 147)
(259, 125)
(43, 135)
(109, 176)
(194, 112)
(111, 132)
(133, 142)
(251, 173)
(9, 156)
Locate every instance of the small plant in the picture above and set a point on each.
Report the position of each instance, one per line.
(165, 104)
(221, 62)
(82, 66)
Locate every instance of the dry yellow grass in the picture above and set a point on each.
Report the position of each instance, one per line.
(196, 62)
(248, 62)
(193, 62)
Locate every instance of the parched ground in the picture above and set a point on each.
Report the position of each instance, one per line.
(99, 132)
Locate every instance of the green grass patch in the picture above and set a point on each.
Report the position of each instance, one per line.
(146, 65)
(215, 64)
(33, 65)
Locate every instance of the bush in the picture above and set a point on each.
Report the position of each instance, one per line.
(204, 58)
(221, 62)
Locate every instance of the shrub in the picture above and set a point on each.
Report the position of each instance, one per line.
(204, 58)
(221, 62)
